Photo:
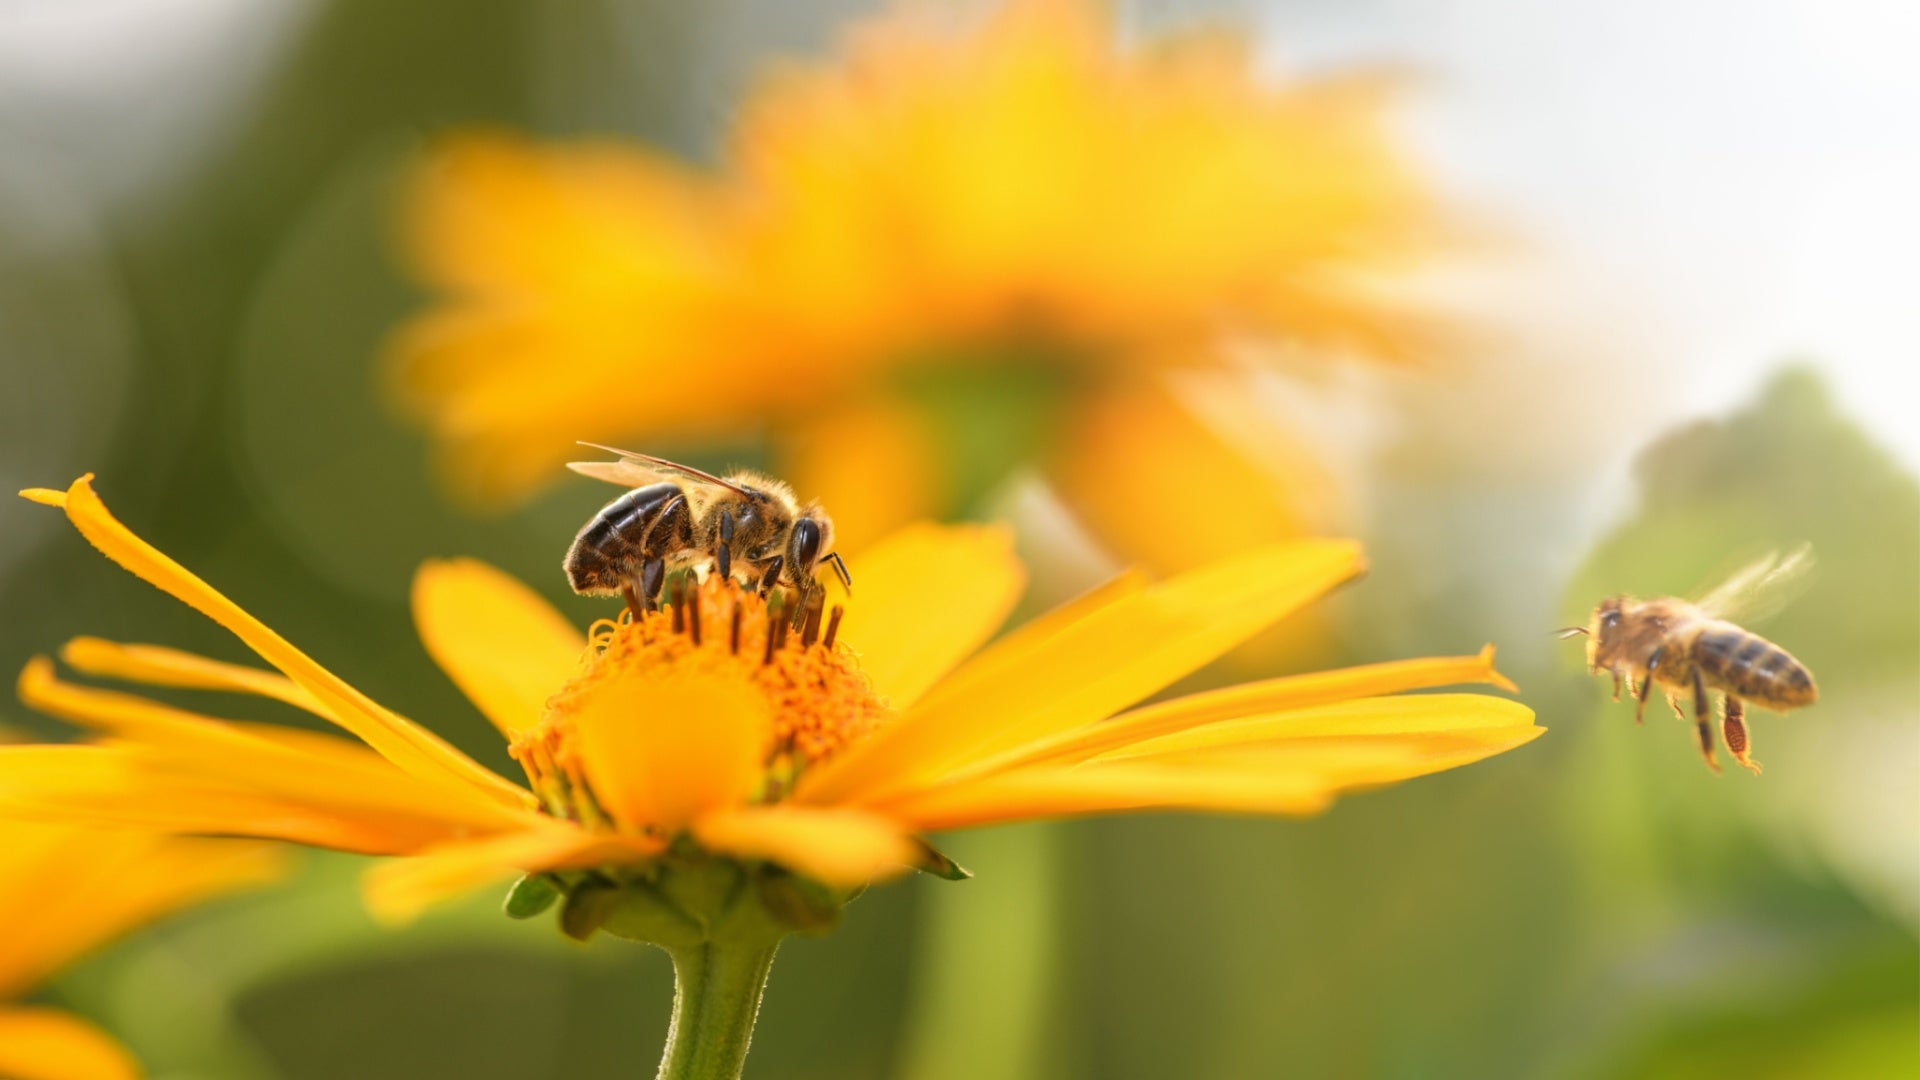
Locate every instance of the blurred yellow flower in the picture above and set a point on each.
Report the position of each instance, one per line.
(65, 890)
(945, 197)
(824, 751)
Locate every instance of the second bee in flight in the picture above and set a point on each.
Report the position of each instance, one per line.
(678, 517)
(1693, 646)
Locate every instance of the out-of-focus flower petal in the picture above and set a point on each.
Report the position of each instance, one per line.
(874, 464)
(46, 1044)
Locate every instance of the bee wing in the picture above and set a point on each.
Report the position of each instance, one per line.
(639, 470)
(1761, 588)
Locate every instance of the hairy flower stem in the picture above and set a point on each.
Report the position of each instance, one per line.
(716, 997)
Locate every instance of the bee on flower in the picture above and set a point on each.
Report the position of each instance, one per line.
(709, 778)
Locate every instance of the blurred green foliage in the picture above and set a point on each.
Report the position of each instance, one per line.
(1594, 906)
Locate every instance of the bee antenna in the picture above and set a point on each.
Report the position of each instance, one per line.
(1568, 631)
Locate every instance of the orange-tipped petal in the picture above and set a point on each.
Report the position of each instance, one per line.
(662, 750)
(399, 890)
(925, 598)
(504, 646)
(1087, 670)
(408, 745)
(46, 1044)
(841, 848)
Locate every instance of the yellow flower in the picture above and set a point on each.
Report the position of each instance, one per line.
(717, 728)
(941, 197)
(65, 890)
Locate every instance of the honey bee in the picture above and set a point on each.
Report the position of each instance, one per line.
(678, 516)
(1693, 646)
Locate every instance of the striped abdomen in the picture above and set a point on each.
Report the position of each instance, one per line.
(1749, 666)
(646, 523)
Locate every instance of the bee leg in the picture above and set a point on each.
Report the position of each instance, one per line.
(633, 602)
(1733, 727)
(1702, 713)
(653, 574)
(770, 576)
(1673, 702)
(1646, 687)
(723, 557)
(1616, 685)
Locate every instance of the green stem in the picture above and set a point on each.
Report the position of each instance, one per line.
(716, 997)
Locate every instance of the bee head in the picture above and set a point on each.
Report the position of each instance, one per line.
(1603, 632)
(810, 541)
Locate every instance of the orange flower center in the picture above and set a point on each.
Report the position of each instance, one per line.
(819, 699)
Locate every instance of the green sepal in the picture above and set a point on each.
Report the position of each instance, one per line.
(530, 896)
(930, 860)
(588, 907)
(797, 905)
(642, 913)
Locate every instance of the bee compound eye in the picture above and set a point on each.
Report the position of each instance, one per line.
(805, 546)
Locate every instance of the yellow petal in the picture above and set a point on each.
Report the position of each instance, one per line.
(46, 1044)
(924, 599)
(1283, 776)
(1013, 646)
(662, 750)
(1085, 671)
(405, 743)
(1388, 718)
(1267, 696)
(1345, 762)
(501, 644)
(399, 890)
(1076, 791)
(158, 665)
(283, 762)
(841, 848)
(123, 787)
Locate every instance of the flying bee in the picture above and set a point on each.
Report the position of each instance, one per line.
(1694, 646)
(678, 516)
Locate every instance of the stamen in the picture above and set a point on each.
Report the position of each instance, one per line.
(819, 699)
(810, 633)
